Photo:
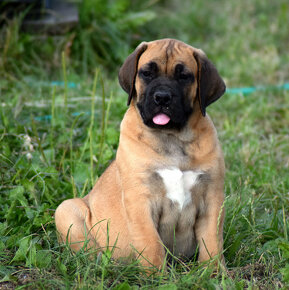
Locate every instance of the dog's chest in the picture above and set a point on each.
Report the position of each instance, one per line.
(177, 196)
(178, 185)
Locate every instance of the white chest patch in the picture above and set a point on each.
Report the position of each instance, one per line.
(178, 184)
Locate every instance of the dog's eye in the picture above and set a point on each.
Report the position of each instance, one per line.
(184, 76)
(147, 73)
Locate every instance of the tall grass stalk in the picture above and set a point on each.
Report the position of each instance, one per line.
(71, 141)
(91, 116)
(104, 120)
(284, 224)
(83, 191)
(91, 157)
(63, 62)
(4, 119)
(102, 136)
(52, 145)
(38, 140)
(61, 163)
(74, 190)
(90, 132)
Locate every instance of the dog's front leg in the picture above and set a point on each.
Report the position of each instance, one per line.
(145, 238)
(209, 227)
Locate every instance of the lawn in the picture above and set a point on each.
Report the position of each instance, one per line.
(60, 110)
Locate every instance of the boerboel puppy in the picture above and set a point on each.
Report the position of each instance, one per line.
(164, 191)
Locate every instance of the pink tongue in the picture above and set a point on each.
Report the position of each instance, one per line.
(161, 119)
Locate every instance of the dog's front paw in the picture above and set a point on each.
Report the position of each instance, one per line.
(153, 257)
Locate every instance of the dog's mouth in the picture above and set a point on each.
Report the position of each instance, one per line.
(164, 116)
(161, 119)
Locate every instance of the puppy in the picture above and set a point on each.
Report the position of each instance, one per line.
(164, 190)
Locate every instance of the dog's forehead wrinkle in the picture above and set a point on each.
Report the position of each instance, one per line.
(169, 51)
(170, 48)
(167, 55)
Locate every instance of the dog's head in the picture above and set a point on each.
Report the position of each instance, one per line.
(167, 80)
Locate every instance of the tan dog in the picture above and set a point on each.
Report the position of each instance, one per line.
(165, 187)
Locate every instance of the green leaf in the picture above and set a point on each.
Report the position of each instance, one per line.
(81, 172)
(31, 260)
(43, 259)
(136, 19)
(285, 273)
(17, 193)
(122, 286)
(21, 253)
(284, 247)
(2, 245)
(111, 135)
(62, 268)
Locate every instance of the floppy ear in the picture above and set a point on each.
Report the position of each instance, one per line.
(210, 85)
(128, 71)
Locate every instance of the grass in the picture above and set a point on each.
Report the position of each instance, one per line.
(55, 140)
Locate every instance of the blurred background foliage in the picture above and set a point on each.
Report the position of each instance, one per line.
(108, 30)
(253, 34)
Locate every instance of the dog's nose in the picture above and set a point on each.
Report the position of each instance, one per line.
(162, 98)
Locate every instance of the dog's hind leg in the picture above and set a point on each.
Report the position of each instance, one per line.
(72, 219)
